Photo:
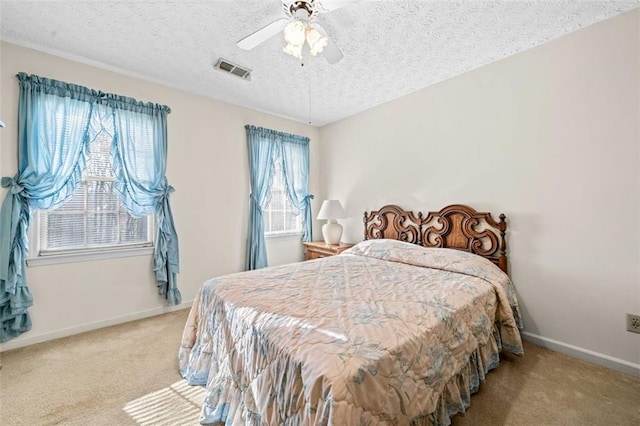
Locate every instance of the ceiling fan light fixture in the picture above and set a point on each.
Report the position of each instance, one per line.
(299, 26)
(297, 32)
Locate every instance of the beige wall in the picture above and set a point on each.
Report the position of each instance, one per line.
(551, 138)
(207, 165)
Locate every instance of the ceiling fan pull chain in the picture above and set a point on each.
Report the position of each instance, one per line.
(309, 98)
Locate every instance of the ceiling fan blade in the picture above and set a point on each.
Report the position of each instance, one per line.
(331, 52)
(263, 34)
(329, 5)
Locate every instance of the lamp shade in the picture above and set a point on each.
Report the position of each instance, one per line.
(331, 209)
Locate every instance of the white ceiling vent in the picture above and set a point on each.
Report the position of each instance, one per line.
(235, 69)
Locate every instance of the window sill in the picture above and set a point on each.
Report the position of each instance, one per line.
(284, 236)
(55, 259)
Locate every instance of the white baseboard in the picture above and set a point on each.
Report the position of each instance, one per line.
(44, 337)
(583, 354)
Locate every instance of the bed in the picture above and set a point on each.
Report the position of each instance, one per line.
(398, 330)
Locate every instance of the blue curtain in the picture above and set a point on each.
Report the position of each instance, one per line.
(295, 168)
(57, 122)
(265, 147)
(140, 167)
(262, 150)
(51, 156)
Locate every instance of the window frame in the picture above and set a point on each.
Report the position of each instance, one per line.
(39, 257)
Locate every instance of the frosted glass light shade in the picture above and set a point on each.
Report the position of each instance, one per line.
(316, 41)
(295, 32)
(295, 51)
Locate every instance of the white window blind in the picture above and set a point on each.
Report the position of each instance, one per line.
(279, 216)
(93, 218)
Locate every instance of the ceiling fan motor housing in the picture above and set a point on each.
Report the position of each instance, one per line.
(302, 9)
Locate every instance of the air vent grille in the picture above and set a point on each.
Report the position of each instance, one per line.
(235, 69)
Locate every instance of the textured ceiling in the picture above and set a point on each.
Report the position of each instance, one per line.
(391, 48)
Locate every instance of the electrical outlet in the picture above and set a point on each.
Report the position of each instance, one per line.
(633, 323)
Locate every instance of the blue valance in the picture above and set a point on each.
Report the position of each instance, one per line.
(37, 84)
(276, 135)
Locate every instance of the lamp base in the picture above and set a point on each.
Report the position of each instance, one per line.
(332, 232)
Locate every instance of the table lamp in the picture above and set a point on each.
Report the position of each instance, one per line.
(332, 230)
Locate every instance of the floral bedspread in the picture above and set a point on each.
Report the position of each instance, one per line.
(387, 333)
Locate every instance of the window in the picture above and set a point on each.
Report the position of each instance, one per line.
(280, 217)
(77, 147)
(93, 220)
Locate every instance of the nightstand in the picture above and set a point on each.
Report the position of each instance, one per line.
(318, 249)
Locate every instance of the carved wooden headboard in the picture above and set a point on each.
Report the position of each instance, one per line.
(456, 226)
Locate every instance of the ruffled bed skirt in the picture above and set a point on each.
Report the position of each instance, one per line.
(233, 406)
(456, 396)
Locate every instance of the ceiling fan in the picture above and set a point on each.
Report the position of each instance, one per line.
(299, 26)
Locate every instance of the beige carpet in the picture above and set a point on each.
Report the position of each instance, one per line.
(128, 374)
